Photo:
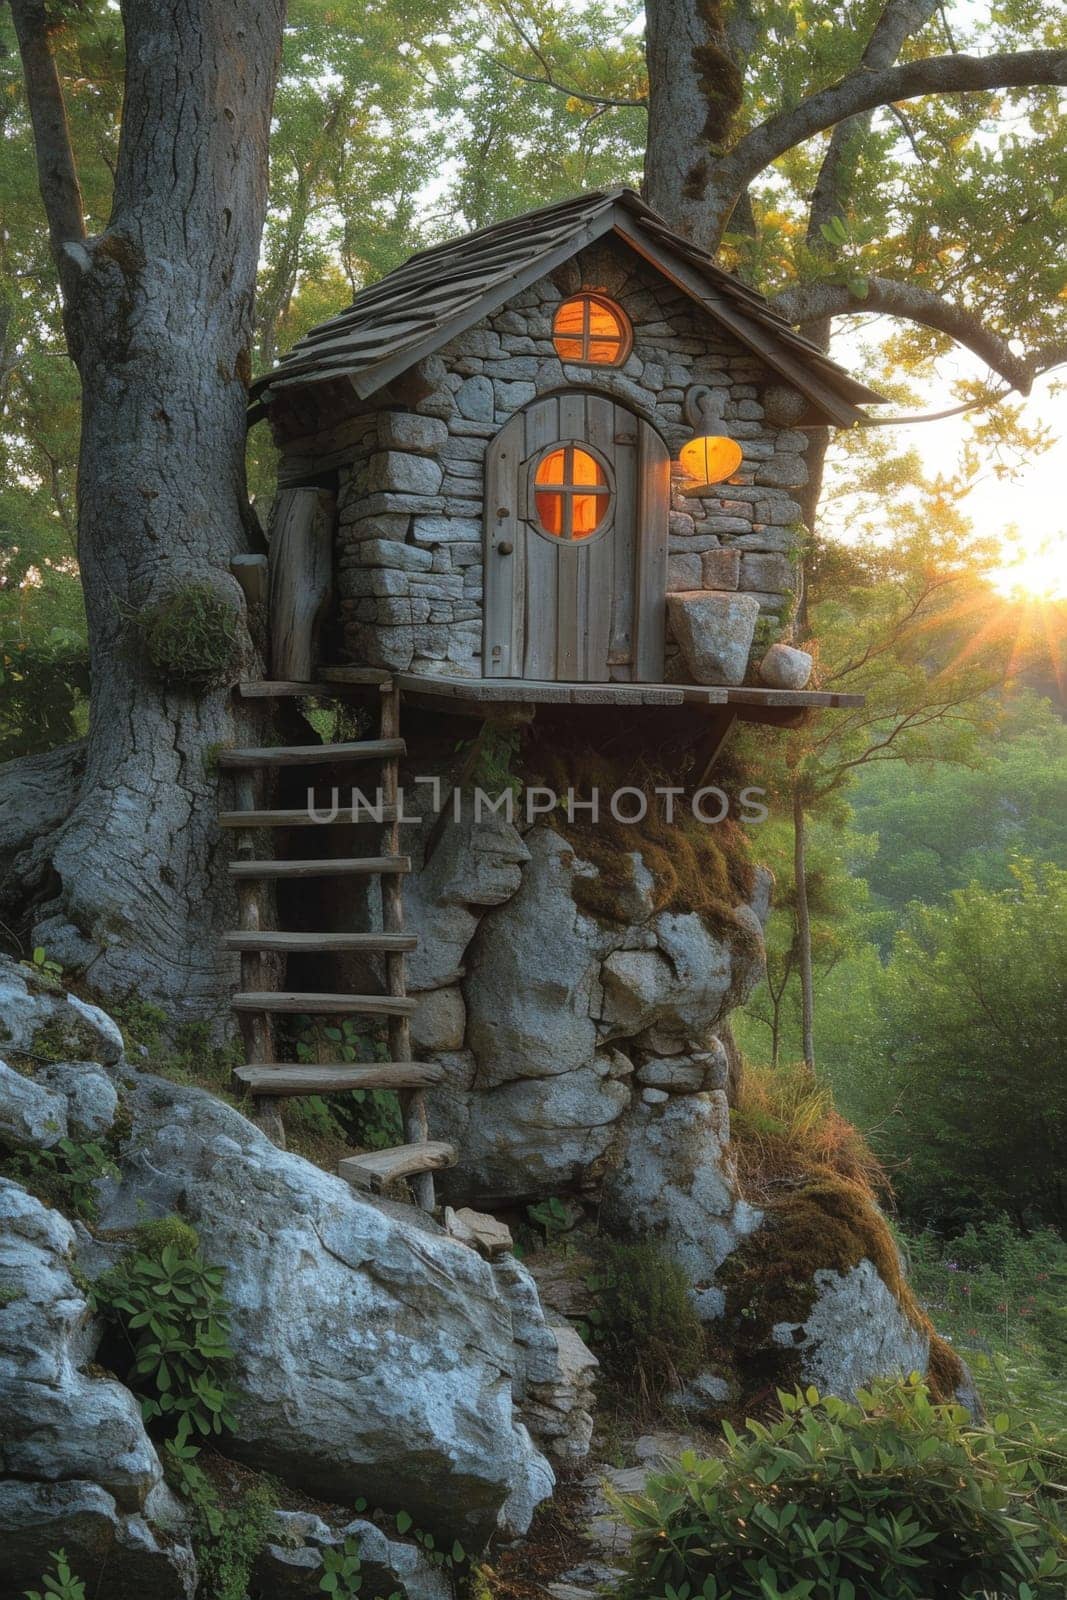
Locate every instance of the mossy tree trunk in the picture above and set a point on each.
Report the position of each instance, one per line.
(158, 314)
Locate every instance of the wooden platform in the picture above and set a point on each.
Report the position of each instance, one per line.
(527, 691)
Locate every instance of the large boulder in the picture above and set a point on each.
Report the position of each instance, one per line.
(374, 1355)
(77, 1469)
(31, 1116)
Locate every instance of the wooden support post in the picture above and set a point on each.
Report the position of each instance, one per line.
(413, 1104)
(256, 1029)
(301, 569)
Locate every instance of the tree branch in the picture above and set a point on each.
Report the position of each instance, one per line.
(865, 90)
(817, 301)
(57, 173)
(604, 101)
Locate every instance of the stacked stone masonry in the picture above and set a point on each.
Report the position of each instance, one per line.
(410, 508)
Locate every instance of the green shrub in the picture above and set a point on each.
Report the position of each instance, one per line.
(647, 1325)
(893, 1498)
(191, 636)
(60, 1585)
(227, 1539)
(167, 1305)
(64, 1176)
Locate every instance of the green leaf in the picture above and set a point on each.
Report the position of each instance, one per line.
(403, 1521)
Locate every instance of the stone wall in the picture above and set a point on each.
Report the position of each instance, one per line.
(410, 519)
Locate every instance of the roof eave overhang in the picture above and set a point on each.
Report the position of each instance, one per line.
(835, 408)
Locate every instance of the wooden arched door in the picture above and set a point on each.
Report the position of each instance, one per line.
(577, 498)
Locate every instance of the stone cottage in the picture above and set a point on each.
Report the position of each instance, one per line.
(559, 449)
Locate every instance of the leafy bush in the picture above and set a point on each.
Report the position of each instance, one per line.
(64, 1176)
(892, 1498)
(648, 1326)
(227, 1539)
(167, 1304)
(60, 1585)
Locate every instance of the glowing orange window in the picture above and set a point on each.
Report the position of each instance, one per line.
(590, 328)
(571, 492)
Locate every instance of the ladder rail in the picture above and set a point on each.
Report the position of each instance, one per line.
(412, 1103)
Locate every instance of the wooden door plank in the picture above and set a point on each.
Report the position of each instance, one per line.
(502, 628)
(540, 589)
(650, 587)
(608, 557)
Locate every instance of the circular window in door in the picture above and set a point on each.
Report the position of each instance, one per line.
(571, 492)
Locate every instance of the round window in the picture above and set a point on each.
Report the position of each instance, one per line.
(589, 328)
(572, 496)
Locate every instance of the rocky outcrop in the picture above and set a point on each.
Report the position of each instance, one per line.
(572, 1022)
(715, 631)
(372, 1352)
(290, 1565)
(39, 1019)
(77, 1469)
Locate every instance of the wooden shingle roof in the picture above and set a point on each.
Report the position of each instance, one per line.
(440, 292)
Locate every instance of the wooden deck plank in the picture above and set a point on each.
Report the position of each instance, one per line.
(356, 675)
(325, 942)
(356, 867)
(298, 755)
(281, 688)
(377, 1168)
(757, 696)
(372, 1005)
(336, 1077)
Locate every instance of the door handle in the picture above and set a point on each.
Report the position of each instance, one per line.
(505, 547)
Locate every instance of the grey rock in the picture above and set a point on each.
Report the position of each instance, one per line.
(673, 1182)
(767, 572)
(399, 472)
(439, 1021)
(73, 1029)
(704, 1396)
(290, 1565)
(855, 1331)
(373, 1353)
(31, 1116)
(391, 553)
(783, 471)
(512, 396)
(677, 1074)
(118, 1556)
(443, 530)
(57, 1423)
(474, 398)
(720, 569)
(785, 667)
(532, 969)
(683, 572)
(474, 863)
(680, 986)
(533, 1136)
(92, 1100)
(715, 632)
(654, 1097)
(403, 430)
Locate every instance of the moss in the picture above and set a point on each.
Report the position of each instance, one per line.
(9, 1294)
(648, 1331)
(65, 1038)
(720, 82)
(154, 1237)
(816, 1180)
(191, 636)
(696, 867)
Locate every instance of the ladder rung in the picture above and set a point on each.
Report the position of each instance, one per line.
(312, 942)
(377, 1168)
(298, 755)
(380, 1005)
(302, 819)
(341, 868)
(334, 1077)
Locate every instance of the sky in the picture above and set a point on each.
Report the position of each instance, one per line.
(1027, 511)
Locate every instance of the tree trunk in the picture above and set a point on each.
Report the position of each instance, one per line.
(695, 90)
(158, 310)
(800, 872)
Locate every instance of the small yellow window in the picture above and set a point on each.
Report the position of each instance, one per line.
(571, 492)
(592, 329)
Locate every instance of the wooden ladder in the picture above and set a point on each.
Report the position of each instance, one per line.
(257, 1001)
